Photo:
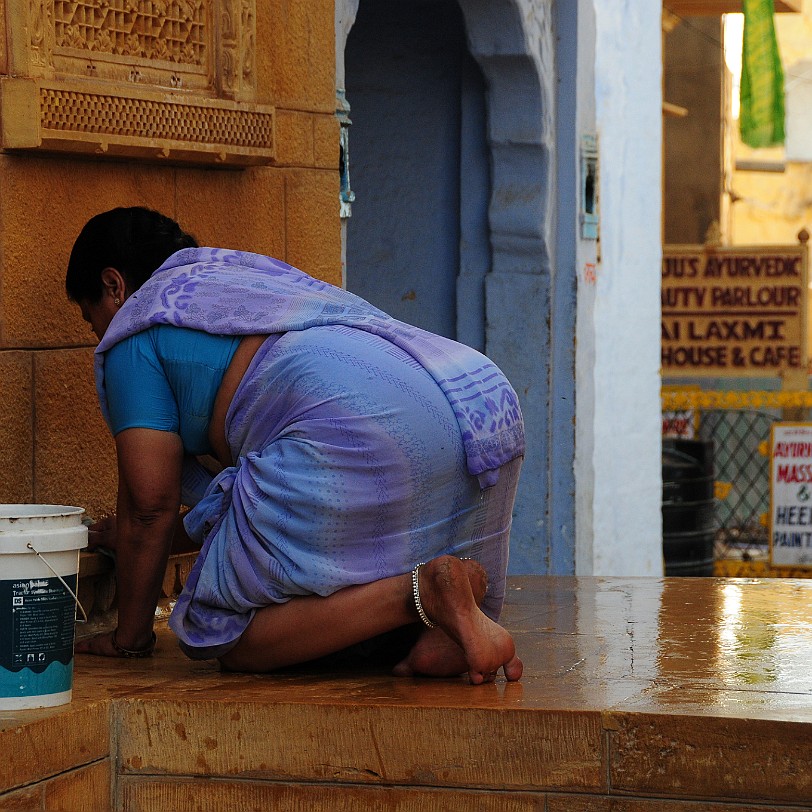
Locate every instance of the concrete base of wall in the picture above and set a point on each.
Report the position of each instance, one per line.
(638, 694)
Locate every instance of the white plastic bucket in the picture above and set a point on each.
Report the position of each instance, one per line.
(39, 556)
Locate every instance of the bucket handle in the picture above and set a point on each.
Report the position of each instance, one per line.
(64, 582)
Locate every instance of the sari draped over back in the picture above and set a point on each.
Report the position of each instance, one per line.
(240, 293)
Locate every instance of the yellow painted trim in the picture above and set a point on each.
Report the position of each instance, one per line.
(689, 399)
(721, 490)
(731, 568)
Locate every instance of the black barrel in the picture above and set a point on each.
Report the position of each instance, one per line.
(689, 523)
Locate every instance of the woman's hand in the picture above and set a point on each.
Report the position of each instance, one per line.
(107, 645)
(102, 534)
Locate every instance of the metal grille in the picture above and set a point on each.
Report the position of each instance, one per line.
(739, 425)
(80, 112)
(739, 438)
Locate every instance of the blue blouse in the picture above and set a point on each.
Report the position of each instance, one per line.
(167, 378)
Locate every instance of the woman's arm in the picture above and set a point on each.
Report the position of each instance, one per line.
(149, 469)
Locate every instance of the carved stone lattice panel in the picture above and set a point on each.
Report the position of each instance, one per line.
(175, 31)
(136, 77)
(149, 124)
(157, 42)
(171, 43)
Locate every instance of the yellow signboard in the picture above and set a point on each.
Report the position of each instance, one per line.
(733, 311)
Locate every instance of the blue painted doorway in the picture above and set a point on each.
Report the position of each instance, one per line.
(418, 241)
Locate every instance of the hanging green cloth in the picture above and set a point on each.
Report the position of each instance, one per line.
(761, 116)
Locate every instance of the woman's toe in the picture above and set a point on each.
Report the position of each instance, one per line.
(403, 669)
(513, 669)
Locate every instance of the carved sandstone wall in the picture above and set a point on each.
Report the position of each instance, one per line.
(217, 112)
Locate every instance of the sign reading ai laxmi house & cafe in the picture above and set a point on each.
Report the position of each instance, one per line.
(733, 311)
(791, 495)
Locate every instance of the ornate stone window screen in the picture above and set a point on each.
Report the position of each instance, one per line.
(152, 79)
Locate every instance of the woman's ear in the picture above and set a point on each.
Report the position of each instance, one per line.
(114, 284)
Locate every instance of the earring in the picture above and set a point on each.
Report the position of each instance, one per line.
(117, 301)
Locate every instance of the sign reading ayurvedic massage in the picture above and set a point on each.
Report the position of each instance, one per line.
(791, 495)
(733, 311)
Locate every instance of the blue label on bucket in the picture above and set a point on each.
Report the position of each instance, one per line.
(37, 617)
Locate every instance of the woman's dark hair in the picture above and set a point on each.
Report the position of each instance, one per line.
(135, 241)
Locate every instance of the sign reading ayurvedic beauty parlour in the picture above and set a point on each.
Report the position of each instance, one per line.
(733, 311)
(791, 495)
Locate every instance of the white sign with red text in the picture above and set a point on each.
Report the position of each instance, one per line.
(791, 495)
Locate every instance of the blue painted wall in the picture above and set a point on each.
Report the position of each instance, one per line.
(563, 298)
(406, 62)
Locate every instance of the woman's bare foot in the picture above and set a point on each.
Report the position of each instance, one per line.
(465, 639)
(435, 654)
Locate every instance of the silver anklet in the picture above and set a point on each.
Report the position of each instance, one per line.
(416, 593)
(146, 651)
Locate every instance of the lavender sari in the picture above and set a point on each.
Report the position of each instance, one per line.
(362, 444)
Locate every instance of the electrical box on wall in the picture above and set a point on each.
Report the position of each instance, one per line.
(346, 196)
(590, 217)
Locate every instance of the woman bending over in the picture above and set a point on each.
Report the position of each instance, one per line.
(352, 448)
